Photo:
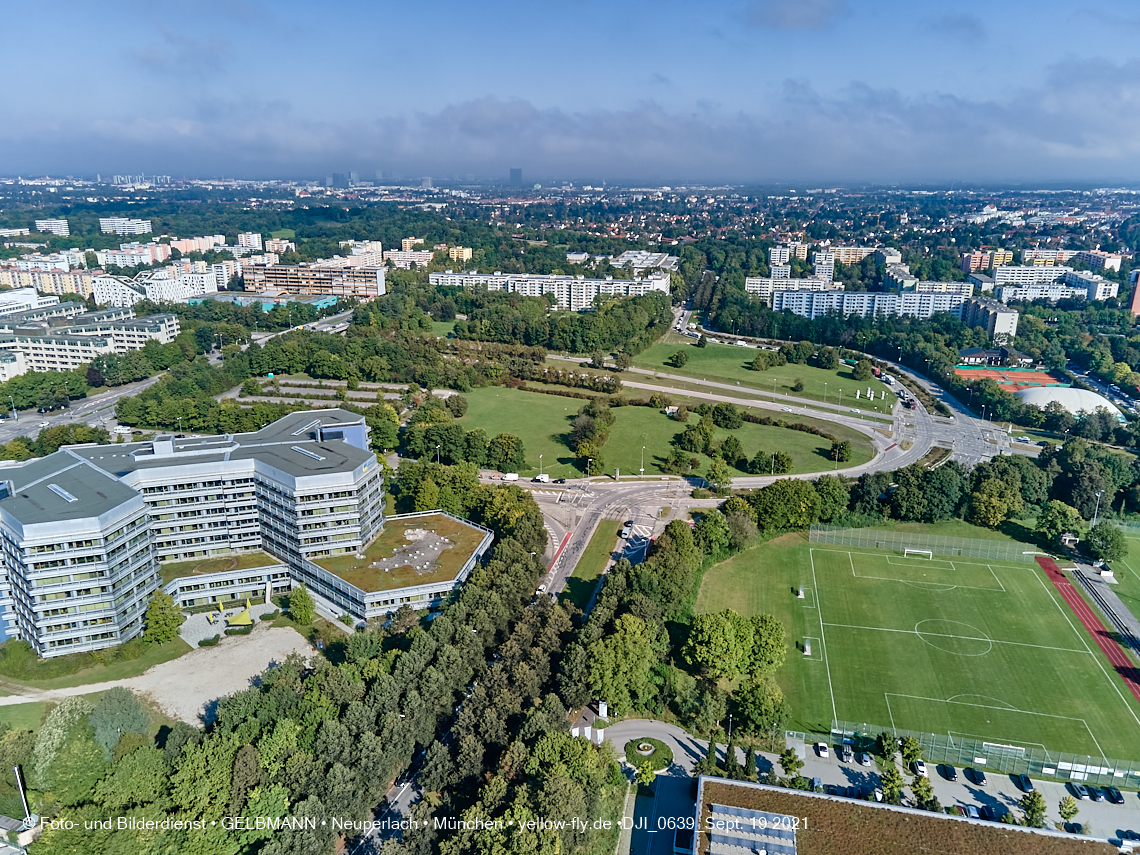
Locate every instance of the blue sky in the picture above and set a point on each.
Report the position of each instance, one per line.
(735, 90)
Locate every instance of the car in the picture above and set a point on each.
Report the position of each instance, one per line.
(821, 750)
(1024, 439)
(559, 481)
(972, 812)
(878, 794)
(1097, 795)
(817, 785)
(846, 754)
(1129, 835)
(1043, 444)
(1081, 791)
(992, 812)
(785, 409)
(541, 589)
(1114, 795)
(864, 758)
(45, 424)
(978, 775)
(920, 768)
(854, 410)
(949, 772)
(1024, 783)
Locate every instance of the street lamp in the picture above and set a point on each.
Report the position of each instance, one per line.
(15, 417)
(825, 391)
(983, 412)
(589, 469)
(540, 467)
(437, 455)
(1096, 513)
(643, 460)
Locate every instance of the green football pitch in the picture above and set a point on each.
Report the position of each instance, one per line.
(961, 648)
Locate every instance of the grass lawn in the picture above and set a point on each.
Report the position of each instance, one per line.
(729, 364)
(283, 234)
(580, 587)
(1127, 572)
(359, 572)
(216, 564)
(940, 646)
(442, 328)
(543, 423)
(155, 654)
(24, 716)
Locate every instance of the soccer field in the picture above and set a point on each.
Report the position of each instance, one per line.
(963, 648)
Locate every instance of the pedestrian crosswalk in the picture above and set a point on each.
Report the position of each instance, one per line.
(637, 542)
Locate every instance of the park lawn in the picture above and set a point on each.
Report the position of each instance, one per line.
(580, 587)
(441, 329)
(283, 234)
(729, 364)
(1127, 573)
(155, 654)
(24, 716)
(943, 646)
(543, 424)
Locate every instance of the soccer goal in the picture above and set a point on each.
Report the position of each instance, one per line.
(918, 553)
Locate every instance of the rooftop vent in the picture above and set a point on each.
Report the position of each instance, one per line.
(307, 453)
(62, 493)
(307, 427)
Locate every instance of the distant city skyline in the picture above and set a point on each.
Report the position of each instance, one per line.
(731, 91)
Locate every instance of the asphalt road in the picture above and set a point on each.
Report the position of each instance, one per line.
(97, 411)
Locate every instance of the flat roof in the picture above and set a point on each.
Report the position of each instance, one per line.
(61, 487)
(407, 557)
(217, 564)
(291, 444)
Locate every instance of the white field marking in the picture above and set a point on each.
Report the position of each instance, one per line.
(939, 563)
(945, 586)
(809, 598)
(1002, 709)
(822, 640)
(1084, 642)
(996, 579)
(1129, 566)
(961, 637)
(1009, 706)
(814, 657)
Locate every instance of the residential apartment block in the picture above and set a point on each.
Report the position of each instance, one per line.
(410, 243)
(851, 254)
(54, 227)
(134, 254)
(124, 226)
(1070, 285)
(1098, 260)
(197, 244)
(823, 264)
(570, 292)
(1046, 257)
(981, 259)
(994, 317)
(1022, 274)
(250, 240)
(779, 255)
(965, 289)
(464, 253)
(49, 281)
(281, 246)
(764, 287)
(638, 260)
(360, 282)
(405, 259)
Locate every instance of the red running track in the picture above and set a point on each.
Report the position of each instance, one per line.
(1123, 665)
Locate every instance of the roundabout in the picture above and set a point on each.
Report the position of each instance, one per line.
(646, 750)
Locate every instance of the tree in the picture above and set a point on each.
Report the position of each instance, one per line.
(1106, 542)
(725, 415)
(645, 774)
(834, 494)
(760, 706)
(840, 450)
(505, 452)
(742, 532)
(301, 606)
(712, 645)
(862, 370)
(886, 745)
(117, 713)
(923, 791)
(798, 386)
(163, 618)
(702, 341)
(911, 750)
(623, 361)
(1056, 519)
(791, 763)
(1033, 809)
(622, 663)
(598, 359)
(892, 785)
(720, 476)
(1067, 808)
(679, 359)
(769, 645)
(681, 414)
(785, 504)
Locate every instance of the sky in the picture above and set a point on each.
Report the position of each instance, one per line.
(828, 91)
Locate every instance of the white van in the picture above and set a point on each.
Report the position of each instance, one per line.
(511, 476)
(542, 479)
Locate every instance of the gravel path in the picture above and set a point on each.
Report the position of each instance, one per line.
(186, 688)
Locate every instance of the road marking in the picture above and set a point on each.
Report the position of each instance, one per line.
(822, 638)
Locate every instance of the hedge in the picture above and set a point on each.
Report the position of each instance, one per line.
(209, 642)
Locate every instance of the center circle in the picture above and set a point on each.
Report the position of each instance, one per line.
(952, 636)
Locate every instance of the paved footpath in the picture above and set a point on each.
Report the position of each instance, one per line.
(1092, 623)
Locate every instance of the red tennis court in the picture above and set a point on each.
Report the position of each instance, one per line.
(1015, 380)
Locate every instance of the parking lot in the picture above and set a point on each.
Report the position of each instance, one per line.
(999, 794)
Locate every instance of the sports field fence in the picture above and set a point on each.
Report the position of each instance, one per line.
(1128, 526)
(898, 541)
(996, 756)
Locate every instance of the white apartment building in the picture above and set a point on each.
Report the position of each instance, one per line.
(976, 311)
(82, 338)
(779, 255)
(250, 240)
(763, 287)
(178, 288)
(124, 226)
(570, 292)
(408, 244)
(888, 255)
(637, 260)
(823, 264)
(851, 254)
(965, 289)
(1072, 285)
(14, 232)
(282, 246)
(54, 227)
(899, 278)
(780, 271)
(134, 254)
(22, 300)
(406, 258)
(1099, 260)
(116, 291)
(1021, 274)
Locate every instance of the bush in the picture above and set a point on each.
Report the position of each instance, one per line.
(209, 642)
(239, 630)
(658, 759)
(273, 615)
